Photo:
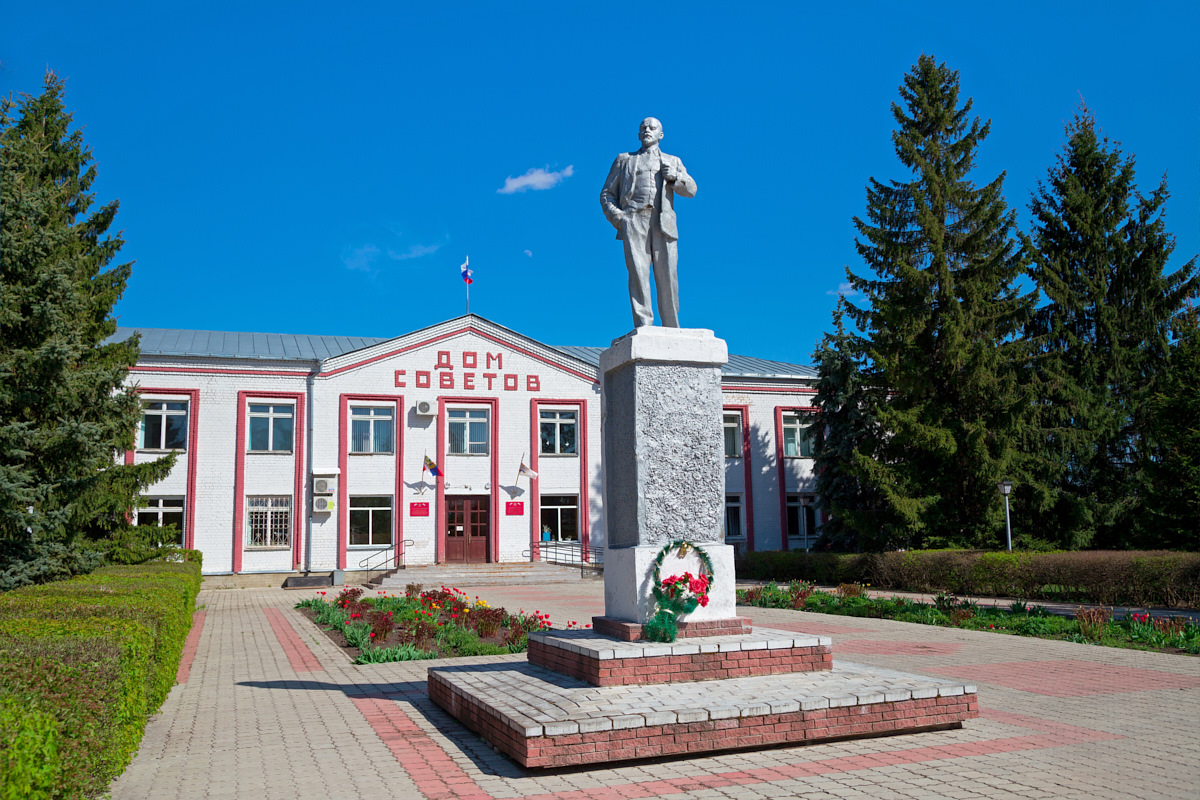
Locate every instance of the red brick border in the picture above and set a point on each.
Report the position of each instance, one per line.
(799, 727)
(632, 631)
(189, 647)
(673, 669)
(300, 657)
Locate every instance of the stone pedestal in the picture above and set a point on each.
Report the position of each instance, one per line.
(629, 582)
(664, 466)
(600, 696)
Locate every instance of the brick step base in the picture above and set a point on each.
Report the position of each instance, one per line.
(583, 724)
(632, 631)
(601, 661)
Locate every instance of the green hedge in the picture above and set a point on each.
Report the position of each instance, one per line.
(96, 655)
(1152, 578)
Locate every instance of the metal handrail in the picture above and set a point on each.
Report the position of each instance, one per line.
(365, 563)
(574, 554)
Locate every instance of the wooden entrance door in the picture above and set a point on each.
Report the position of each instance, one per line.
(467, 529)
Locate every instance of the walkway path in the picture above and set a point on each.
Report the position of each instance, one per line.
(271, 710)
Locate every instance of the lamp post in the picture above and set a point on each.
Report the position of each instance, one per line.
(1005, 487)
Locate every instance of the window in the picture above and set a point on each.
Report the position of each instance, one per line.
(560, 518)
(797, 439)
(733, 516)
(468, 431)
(371, 430)
(162, 512)
(370, 520)
(268, 522)
(164, 425)
(802, 520)
(270, 429)
(558, 432)
(733, 435)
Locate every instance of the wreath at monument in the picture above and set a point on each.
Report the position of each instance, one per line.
(677, 594)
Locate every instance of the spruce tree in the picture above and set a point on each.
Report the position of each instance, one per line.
(65, 414)
(856, 518)
(1169, 515)
(938, 330)
(1099, 249)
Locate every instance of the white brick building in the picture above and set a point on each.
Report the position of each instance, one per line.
(306, 453)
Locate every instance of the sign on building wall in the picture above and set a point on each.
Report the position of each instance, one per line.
(474, 373)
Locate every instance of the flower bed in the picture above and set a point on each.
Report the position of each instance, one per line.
(441, 623)
(1090, 626)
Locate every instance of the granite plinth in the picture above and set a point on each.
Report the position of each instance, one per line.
(664, 458)
(601, 661)
(541, 718)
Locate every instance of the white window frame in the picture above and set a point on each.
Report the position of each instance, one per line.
(152, 510)
(732, 420)
(274, 411)
(162, 410)
(560, 508)
(806, 513)
(373, 416)
(468, 418)
(557, 419)
(733, 502)
(356, 504)
(798, 422)
(278, 536)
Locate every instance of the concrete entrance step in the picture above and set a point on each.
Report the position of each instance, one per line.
(502, 574)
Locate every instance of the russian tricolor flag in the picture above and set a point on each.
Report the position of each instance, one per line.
(467, 273)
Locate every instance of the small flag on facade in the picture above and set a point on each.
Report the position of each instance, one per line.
(467, 273)
(432, 467)
(526, 471)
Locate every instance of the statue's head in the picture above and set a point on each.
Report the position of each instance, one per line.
(650, 131)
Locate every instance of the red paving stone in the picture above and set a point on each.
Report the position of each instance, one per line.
(1068, 678)
(815, 628)
(189, 647)
(884, 648)
(300, 657)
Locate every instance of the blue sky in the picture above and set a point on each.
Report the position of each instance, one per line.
(296, 168)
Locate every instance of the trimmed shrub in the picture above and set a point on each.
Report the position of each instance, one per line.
(1153, 578)
(95, 655)
(29, 758)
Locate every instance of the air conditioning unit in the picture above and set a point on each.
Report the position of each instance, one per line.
(425, 409)
(323, 505)
(324, 485)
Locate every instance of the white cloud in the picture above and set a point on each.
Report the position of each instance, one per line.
(416, 251)
(844, 289)
(529, 253)
(360, 258)
(536, 179)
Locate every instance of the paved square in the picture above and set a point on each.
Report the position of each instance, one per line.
(1071, 678)
(265, 710)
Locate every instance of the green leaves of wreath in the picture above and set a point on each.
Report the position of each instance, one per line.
(663, 627)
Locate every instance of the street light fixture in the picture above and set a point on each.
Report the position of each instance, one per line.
(1005, 488)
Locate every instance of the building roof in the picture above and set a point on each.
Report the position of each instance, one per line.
(304, 347)
(226, 344)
